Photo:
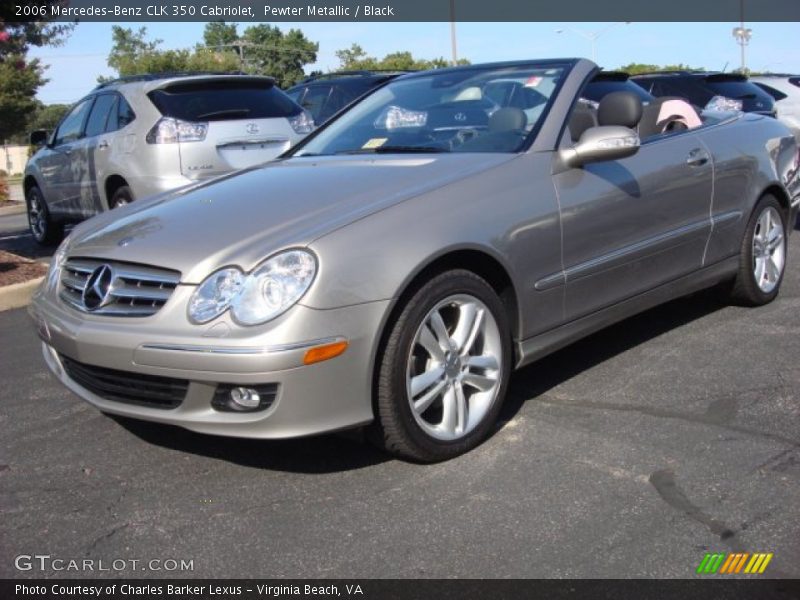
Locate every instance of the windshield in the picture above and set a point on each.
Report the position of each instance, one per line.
(475, 109)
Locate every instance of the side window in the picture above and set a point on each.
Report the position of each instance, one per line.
(125, 114)
(71, 128)
(314, 100)
(99, 115)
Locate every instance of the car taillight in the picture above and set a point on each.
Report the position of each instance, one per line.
(302, 122)
(169, 131)
(724, 103)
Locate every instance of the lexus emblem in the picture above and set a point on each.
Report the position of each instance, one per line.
(251, 128)
(98, 288)
(460, 117)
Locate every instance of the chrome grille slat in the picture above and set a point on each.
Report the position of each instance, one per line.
(136, 290)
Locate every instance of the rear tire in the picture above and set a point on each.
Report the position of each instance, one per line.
(444, 371)
(44, 229)
(121, 196)
(762, 259)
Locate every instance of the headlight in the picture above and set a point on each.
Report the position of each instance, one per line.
(215, 294)
(270, 290)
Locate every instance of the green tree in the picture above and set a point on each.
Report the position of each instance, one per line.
(638, 68)
(268, 51)
(21, 78)
(219, 34)
(355, 58)
(132, 54)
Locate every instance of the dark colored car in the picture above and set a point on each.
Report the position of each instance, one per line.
(606, 82)
(712, 91)
(325, 95)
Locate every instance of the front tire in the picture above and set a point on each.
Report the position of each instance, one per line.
(444, 371)
(44, 229)
(763, 255)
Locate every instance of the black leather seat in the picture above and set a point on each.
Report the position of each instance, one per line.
(583, 118)
(620, 108)
(508, 119)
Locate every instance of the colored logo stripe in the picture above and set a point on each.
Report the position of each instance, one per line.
(734, 562)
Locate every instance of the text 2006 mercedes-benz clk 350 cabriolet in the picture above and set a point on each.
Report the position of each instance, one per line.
(399, 263)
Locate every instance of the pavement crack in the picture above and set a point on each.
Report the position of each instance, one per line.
(104, 537)
(717, 413)
(664, 483)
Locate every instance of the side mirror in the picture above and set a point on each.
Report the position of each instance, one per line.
(597, 144)
(39, 137)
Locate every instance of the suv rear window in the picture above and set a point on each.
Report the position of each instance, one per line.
(223, 100)
(596, 90)
(735, 89)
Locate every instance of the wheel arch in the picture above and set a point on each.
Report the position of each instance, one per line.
(28, 182)
(474, 259)
(780, 195)
(111, 185)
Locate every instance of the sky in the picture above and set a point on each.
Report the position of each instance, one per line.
(75, 66)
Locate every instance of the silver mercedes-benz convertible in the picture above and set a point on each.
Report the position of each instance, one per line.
(393, 268)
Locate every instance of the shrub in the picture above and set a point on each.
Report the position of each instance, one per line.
(3, 189)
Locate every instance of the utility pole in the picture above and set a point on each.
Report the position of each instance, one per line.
(742, 36)
(453, 32)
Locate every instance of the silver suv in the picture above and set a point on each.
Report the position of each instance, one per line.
(139, 136)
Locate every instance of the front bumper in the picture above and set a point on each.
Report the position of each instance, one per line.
(326, 396)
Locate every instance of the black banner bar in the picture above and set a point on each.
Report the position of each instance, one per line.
(403, 10)
(393, 589)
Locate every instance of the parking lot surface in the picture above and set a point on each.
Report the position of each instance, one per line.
(629, 454)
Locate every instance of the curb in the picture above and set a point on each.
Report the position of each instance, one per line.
(18, 294)
(16, 208)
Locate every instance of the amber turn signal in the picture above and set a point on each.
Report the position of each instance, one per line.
(324, 352)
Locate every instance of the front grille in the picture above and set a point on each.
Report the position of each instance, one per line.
(134, 291)
(132, 388)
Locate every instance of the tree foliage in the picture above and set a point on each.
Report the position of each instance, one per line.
(21, 78)
(133, 54)
(355, 58)
(267, 50)
(638, 68)
(260, 50)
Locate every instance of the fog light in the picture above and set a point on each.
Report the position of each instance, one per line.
(246, 398)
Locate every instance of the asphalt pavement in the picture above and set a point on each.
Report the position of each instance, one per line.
(629, 454)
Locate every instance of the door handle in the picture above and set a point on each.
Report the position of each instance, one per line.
(67, 151)
(697, 158)
(102, 145)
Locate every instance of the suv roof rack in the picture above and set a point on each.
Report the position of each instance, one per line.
(163, 75)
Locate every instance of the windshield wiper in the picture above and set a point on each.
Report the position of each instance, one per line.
(396, 150)
(225, 113)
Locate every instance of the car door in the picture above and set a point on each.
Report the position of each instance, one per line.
(61, 182)
(92, 153)
(631, 225)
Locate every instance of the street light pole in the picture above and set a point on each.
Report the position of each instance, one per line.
(742, 36)
(453, 32)
(593, 36)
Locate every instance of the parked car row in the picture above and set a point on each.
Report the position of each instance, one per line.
(143, 135)
(395, 265)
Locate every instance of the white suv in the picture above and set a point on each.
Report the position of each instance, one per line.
(138, 136)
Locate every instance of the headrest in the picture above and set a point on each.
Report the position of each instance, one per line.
(507, 119)
(620, 108)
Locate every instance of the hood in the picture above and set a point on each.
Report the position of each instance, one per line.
(242, 218)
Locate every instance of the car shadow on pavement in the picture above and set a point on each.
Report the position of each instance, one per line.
(538, 378)
(331, 453)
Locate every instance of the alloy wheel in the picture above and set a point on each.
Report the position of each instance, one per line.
(454, 367)
(769, 249)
